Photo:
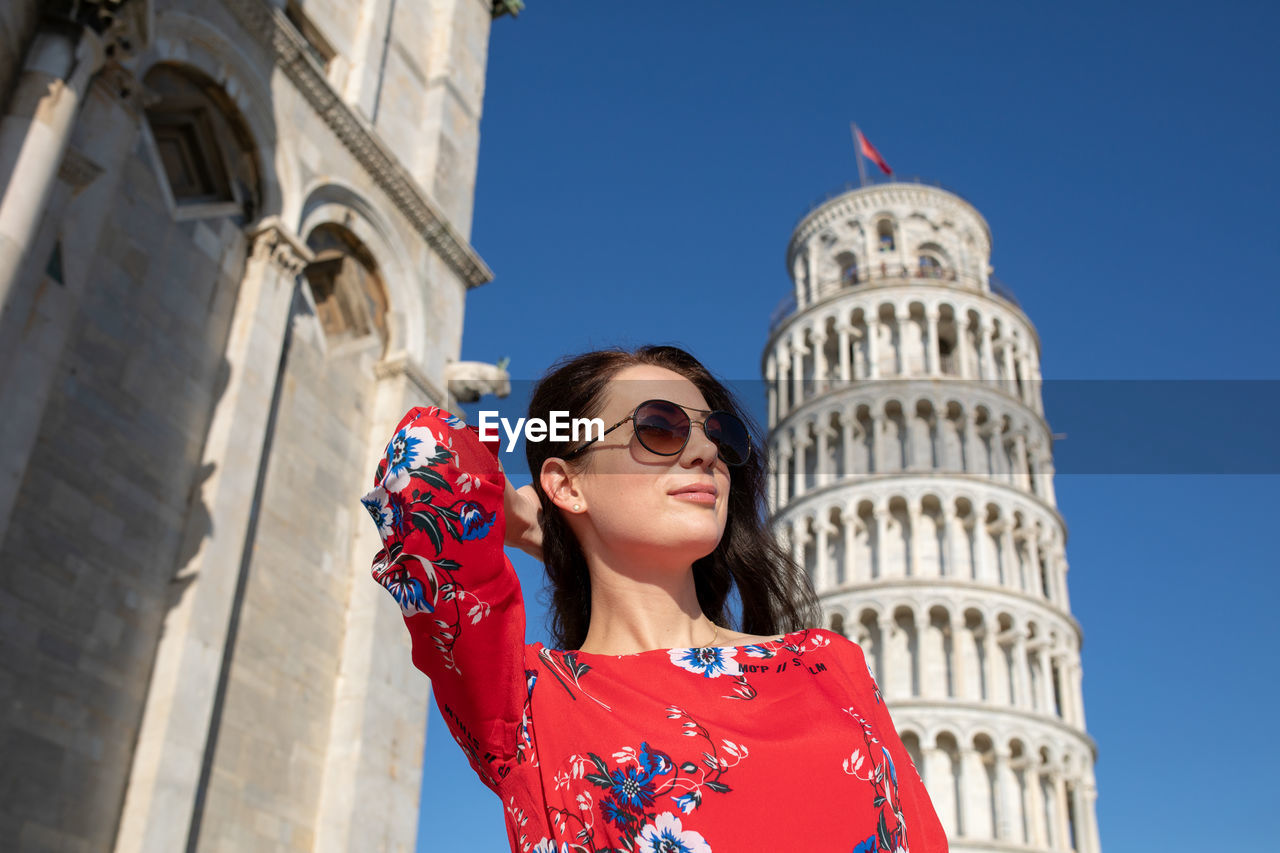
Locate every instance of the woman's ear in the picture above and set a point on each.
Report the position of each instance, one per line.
(560, 484)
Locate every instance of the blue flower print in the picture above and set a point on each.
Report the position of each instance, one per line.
(707, 662)
(617, 815)
(453, 420)
(407, 591)
(893, 771)
(548, 845)
(410, 448)
(867, 846)
(632, 787)
(386, 513)
(475, 521)
(654, 763)
(665, 835)
(689, 801)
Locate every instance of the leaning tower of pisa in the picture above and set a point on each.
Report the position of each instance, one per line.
(913, 477)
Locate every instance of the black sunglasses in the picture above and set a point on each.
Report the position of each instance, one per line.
(663, 428)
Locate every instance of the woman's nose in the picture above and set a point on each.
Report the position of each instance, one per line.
(699, 450)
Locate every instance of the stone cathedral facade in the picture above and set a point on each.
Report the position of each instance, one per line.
(234, 249)
(913, 477)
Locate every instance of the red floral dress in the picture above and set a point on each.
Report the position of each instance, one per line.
(780, 745)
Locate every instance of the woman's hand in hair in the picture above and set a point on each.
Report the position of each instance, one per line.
(524, 519)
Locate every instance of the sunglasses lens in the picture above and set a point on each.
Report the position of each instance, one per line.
(662, 427)
(731, 437)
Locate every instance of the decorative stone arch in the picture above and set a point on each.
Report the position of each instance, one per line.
(886, 223)
(336, 203)
(939, 262)
(187, 41)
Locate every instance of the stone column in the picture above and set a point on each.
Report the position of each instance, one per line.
(1061, 834)
(822, 567)
(1021, 472)
(899, 349)
(797, 374)
(784, 379)
(873, 345)
(969, 437)
(811, 279)
(1077, 693)
(879, 513)
(846, 374)
(34, 135)
(848, 422)
(1046, 680)
(1009, 555)
(1034, 803)
(356, 803)
(972, 776)
(956, 627)
(933, 355)
(1004, 805)
(913, 550)
(1090, 817)
(819, 362)
(852, 571)
(940, 783)
(987, 369)
(1020, 689)
(963, 354)
(1028, 386)
(994, 655)
(799, 446)
(1060, 577)
(822, 475)
(949, 566)
(163, 783)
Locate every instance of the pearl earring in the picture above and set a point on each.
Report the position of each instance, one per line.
(576, 507)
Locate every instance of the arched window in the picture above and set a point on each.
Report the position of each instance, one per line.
(884, 233)
(848, 263)
(930, 267)
(204, 153)
(351, 300)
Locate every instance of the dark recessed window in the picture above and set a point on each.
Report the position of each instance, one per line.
(202, 149)
(884, 230)
(190, 156)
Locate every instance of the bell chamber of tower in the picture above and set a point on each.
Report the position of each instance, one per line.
(912, 478)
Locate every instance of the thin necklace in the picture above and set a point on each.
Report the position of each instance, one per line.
(714, 636)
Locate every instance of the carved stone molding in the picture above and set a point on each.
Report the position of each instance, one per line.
(273, 30)
(275, 243)
(400, 364)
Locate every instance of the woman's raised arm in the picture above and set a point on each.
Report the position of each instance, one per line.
(438, 504)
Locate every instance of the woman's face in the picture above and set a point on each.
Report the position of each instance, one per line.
(637, 506)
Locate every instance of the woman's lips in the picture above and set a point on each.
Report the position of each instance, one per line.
(699, 494)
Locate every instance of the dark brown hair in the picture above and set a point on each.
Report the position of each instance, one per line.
(776, 595)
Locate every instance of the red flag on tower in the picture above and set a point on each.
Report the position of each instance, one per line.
(869, 151)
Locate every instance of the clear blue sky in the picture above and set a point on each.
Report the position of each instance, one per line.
(642, 166)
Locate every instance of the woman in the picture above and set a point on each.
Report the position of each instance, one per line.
(654, 726)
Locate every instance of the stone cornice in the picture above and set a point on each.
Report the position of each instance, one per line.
(400, 364)
(871, 198)
(272, 240)
(289, 49)
(900, 289)
(954, 590)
